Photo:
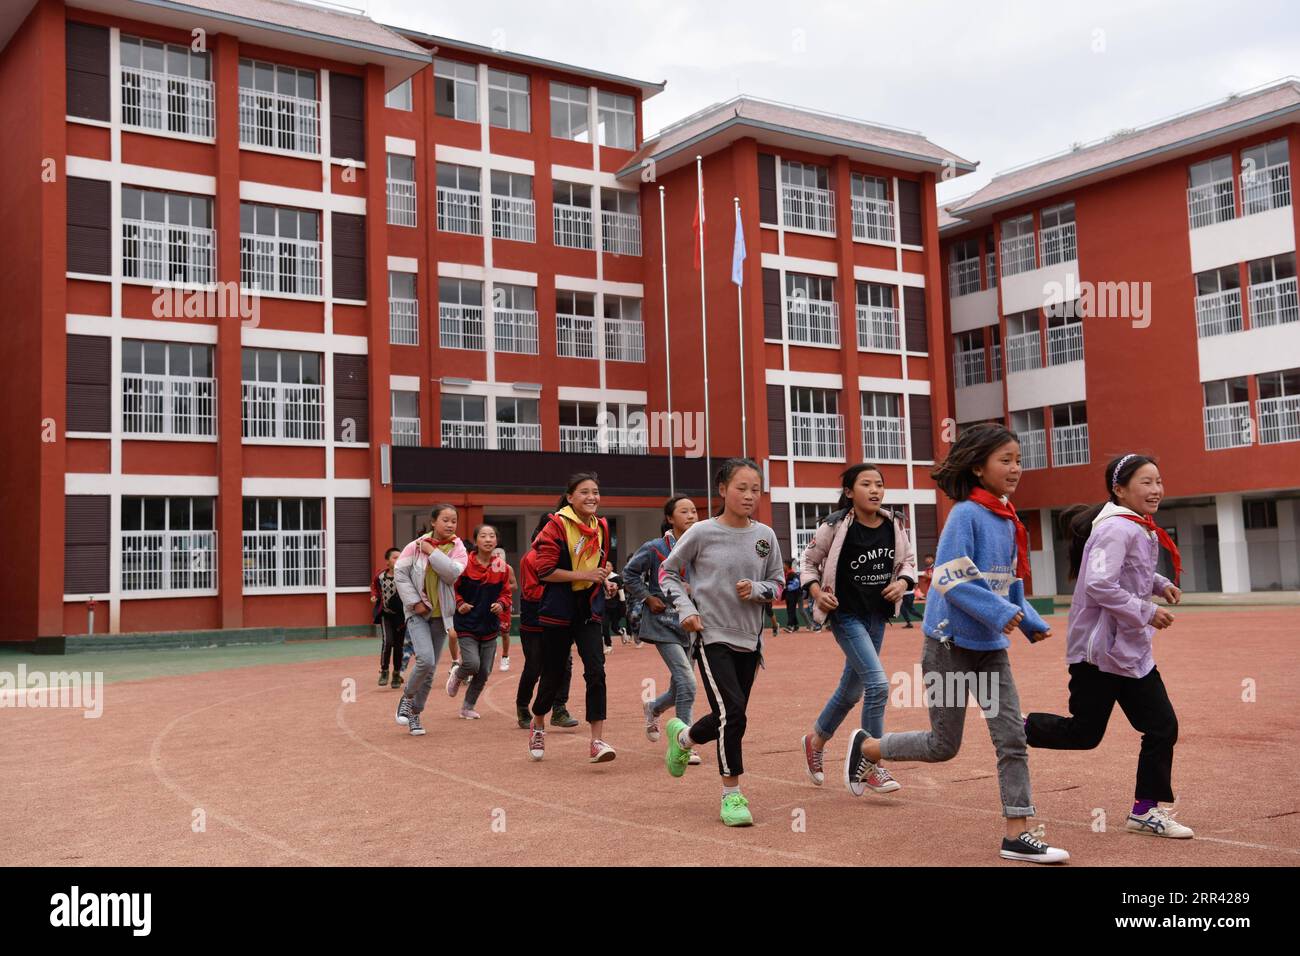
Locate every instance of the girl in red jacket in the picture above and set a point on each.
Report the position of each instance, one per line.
(482, 596)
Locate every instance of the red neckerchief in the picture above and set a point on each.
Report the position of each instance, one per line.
(1004, 509)
(1162, 536)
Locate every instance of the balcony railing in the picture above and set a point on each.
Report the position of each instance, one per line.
(160, 252)
(406, 431)
(460, 210)
(401, 202)
(1279, 419)
(968, 368)
(963, 277)
(620, 233)
(1069, 445)
(171, 104)
(1024, 352)
(286, 411)
(284, 559)
(624, 340)
(514, 219)
(1265, 188)
(1228, 426)
(991, 269)
(168, 405)
(1033, 448)
(580, 439)
(403, 321)
(279, 121)
(464, 434)
(873, 219)
(575, 336)
(169, 561)
(1017, 254)
(461, 327)
(1210, 203)
(995, 363)
(812, 321)
(1274, 303)
(882, 438)
(878, 328)
(572, 226)
(271, 264)
(1218, 313)
(515, 330)
(627, 441)
(1058, 244)
(807, 207)
(817, 435)
(519, 436)
(1065, 343)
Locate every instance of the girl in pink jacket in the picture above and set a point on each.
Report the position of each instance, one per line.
(1113, 618)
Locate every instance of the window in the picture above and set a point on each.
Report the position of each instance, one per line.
(1028, 426)
(580, 427)
(278, 107)
(626, 429)
(464, 421)
(807, 202)
(616, 119)
(815, 423)
(878, 326)
(508, 100)
(1273, 291)
(165, 87)
(167, 237)
(1017, 248)
(168, 544)
(807, 516)
(283, 395)
(811, 313)
(513, 210)
(168, 389)
(1218, 301)
(459, 204)
(279, 249)
(1265, 178)
(1058, 234)
(1064, 333)
(1024, 342)
(460, 314)
(401, 190)
(1069, 434)
(403, 309)
(399, 97)
(571, 203)
(518, 424)
(1279, 406)
(514, 318)
(969, 367)
(570, 112)
(1259, 513)
(284, 543)
(882, 427)
(620, 222)
(1227, 414)
(1209, 192)
(406, 418)
(575, 324)
(873, 214)
(455, 90)
(964, 268)
(624, 332)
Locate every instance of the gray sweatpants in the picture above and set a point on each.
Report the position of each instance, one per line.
(476, 660)
(952, 673)
(427, 640)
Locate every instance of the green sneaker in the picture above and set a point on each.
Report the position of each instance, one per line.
(676, 757)
(735, 811)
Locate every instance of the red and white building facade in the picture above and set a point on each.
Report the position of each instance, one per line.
(1139, 295)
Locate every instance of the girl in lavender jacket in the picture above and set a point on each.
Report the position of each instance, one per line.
(1112, 620)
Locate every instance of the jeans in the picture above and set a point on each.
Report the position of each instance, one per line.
(681, 684)
(863, 678)
(476, 660)
(427, 638)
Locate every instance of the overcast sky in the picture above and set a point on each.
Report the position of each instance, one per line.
(1001, 83)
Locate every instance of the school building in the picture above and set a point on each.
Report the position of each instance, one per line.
(1139, 295)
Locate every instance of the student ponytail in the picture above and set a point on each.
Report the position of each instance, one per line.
(1076, 522)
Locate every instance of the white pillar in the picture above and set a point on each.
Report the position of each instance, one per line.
(1288, 551)
(1045, 570)
(1190, 548)
(1234, 556)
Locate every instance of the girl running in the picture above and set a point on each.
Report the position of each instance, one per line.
(734, 567)
(857, 568)
(389, 615)
(658, 621)
(572, 549)
(530, 636)
(426, 574)
(976, 600)
(1113, 555)
(482, 596)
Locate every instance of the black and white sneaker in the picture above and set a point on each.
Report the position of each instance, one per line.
(1030, 848)
(404, 710)
(856, 766)
(416, 728)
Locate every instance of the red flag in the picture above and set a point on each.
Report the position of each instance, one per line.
(698, 226)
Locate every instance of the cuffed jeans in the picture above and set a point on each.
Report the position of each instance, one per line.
(476, 660)
(680, 694)
(427, 639)
(864, 677)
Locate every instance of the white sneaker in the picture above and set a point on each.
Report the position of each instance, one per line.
(1158, 822)
(505, 663)
(651, 722)
(694, 760)
(1030, 848)
(609, 648)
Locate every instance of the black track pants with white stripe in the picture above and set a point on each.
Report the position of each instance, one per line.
(727, 675)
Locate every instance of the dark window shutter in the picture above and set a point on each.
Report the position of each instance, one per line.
(776, 420)
(351, 395)
(927, 532)
(87, 69)
(909, 212)
(772, 324)
(88, 215)
(918, 339)
(347, 117)
(922, 427)
(89, 399)
(86, 540)
(767, 189)
(352, 542)
(349, 259)
(781, 526)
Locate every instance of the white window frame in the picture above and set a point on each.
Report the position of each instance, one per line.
(297, 557)
(504, 95)
(184, 405)
(464, 93)
(159, 556)
(271, 119)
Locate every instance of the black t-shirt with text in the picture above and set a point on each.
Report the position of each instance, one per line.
(866, 564)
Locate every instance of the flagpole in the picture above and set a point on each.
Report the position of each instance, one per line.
(668, 369)
(740, 340)
(704, 336)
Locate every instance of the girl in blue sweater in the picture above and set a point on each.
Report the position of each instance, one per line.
(976, 599)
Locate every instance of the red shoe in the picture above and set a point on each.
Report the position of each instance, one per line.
(812, 761)
(601, 752)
